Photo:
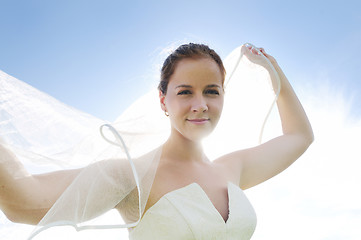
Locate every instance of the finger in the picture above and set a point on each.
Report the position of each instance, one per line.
(254, 51)
(263, 51)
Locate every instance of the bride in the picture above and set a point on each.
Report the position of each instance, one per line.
(174, 191)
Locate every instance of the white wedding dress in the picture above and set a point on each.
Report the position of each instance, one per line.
(118, 172)
(188, 213)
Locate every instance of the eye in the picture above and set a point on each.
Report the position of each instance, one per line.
(184, 92)
(212, 92)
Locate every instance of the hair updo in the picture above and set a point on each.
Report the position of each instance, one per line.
(191, 50)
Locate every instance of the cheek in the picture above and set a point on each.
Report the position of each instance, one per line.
(218, 105)
(177, 106)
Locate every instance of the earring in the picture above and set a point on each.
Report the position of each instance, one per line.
(166, 113)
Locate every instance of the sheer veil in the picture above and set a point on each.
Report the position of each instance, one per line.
(119, 159)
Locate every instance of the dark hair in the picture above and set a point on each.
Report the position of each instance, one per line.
(191, 50)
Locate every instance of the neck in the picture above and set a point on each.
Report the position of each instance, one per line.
(178, 148)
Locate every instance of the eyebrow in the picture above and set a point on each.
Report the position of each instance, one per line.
(189, 86)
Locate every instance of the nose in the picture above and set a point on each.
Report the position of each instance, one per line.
(199, 104)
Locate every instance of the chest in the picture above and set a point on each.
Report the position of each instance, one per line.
(211, 180)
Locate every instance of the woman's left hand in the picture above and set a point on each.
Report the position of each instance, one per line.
(254, 54)
(260, 57)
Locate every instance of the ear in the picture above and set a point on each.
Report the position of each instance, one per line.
(162, 101)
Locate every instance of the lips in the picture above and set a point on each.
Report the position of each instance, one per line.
(198, 120)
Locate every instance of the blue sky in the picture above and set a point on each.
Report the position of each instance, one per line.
(100, 56)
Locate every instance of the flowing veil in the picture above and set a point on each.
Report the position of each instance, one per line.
(119, 159)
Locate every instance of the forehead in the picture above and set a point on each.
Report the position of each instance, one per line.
(196, 71)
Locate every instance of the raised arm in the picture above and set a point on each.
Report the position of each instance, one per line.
(260, 163)
(26, 198)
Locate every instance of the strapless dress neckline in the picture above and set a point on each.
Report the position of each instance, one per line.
(188, 213)
(205, 197)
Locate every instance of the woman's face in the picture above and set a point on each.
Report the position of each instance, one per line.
(194, 98)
